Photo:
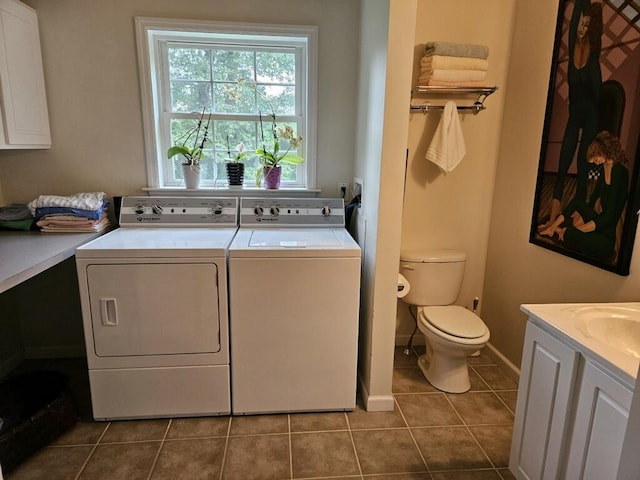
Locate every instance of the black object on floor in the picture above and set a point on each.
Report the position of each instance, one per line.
(35, 408)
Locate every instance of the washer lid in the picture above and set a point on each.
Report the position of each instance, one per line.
(295, 238)
(432, 256)
(455, 320)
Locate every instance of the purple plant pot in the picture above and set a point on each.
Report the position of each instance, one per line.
(271, 177)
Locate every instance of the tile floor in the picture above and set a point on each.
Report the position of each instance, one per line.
(429, 436)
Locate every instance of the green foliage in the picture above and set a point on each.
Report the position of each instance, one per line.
(191, 144)
(206, 79)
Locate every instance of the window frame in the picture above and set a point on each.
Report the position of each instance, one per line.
(152, 34)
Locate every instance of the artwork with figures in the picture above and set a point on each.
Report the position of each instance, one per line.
(587, 199)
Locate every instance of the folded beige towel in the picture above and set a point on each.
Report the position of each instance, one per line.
(440, 83)
(447, 147)
(453, 75)
(453, 63)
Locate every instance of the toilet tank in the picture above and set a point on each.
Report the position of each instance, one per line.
(434, 276)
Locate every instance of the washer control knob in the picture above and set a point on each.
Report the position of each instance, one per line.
(326, 211)
(258, 210)
(139, 210)
(157, 209)
(275, 211)
(218, 210)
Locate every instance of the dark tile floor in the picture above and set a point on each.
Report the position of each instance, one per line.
(429, 435)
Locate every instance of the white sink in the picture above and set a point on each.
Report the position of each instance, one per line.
(617, 326)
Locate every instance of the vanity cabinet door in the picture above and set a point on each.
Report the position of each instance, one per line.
(24, 118)
(542, 411)
(600, 422)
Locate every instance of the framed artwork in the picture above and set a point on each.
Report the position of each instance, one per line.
(587, 192)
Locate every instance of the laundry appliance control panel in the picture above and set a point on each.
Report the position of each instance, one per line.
(291, 212)
(178, 212)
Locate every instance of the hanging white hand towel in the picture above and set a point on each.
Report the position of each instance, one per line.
(447, 147)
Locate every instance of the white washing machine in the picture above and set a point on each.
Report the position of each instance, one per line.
(155, 309)
(294, 284)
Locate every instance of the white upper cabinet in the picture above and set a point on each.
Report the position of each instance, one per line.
(24, 119)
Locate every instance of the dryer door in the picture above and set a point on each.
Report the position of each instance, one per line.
(154, 308)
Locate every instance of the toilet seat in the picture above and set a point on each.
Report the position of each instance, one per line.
(454, 321)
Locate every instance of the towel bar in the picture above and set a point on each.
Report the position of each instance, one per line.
(425, 107)
(477, 106)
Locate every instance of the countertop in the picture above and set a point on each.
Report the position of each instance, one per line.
(560, 320)
(26, 254)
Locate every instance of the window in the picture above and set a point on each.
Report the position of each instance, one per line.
(235, 77)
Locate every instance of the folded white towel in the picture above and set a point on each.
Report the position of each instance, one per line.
(447, 147)
(444, 62)
(83, 201)
(439, 83)
(452, 75)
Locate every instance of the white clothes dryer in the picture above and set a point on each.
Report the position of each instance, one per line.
(155, 309)
(294, 284)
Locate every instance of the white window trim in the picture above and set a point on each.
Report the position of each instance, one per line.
(148, 27)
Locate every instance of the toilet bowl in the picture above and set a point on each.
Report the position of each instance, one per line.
(452, 332)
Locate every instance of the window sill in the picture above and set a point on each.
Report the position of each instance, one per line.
(231, 192)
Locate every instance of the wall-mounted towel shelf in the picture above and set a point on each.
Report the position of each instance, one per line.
(481, 94)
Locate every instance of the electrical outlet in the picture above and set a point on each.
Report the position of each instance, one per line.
(343, 190)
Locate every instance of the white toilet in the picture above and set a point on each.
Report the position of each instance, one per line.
(452, 332)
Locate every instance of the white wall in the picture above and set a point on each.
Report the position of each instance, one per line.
(94, 99)
(383, 102)
(518, 272)
(453, 210)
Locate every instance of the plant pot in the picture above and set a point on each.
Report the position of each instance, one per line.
(235, 173)
(271, 177)
(191, 176)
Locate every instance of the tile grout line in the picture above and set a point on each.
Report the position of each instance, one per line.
(95, 446)
(226, 446)
(290, 445)
(472, 435)
(155, 460)
(353, 444)
(415, 442)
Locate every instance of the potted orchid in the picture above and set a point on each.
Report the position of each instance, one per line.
(191, 147)
(284, 139)
(235, 167)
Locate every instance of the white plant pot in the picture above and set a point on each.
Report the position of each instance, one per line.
(191, 176)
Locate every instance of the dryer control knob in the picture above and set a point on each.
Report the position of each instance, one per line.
(326, 211)
(157, 209)
(139, 210)
(258, 210)
(218, 210)
(275, 211)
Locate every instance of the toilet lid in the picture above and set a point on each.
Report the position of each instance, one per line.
(455, 320)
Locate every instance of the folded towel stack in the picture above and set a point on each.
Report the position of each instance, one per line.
(454, 65)
(15, 217)
(79, 213)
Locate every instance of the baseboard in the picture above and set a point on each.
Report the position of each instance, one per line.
(10, 364)
(402, 340)
(509, 368)
(375, 403)
(63, 351)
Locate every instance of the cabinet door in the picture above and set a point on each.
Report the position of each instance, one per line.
(600, 421)
(25, 119)
(544, 396)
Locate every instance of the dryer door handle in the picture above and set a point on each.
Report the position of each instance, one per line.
(108, 312)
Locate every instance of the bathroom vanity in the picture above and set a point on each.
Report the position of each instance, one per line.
(579, 368)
